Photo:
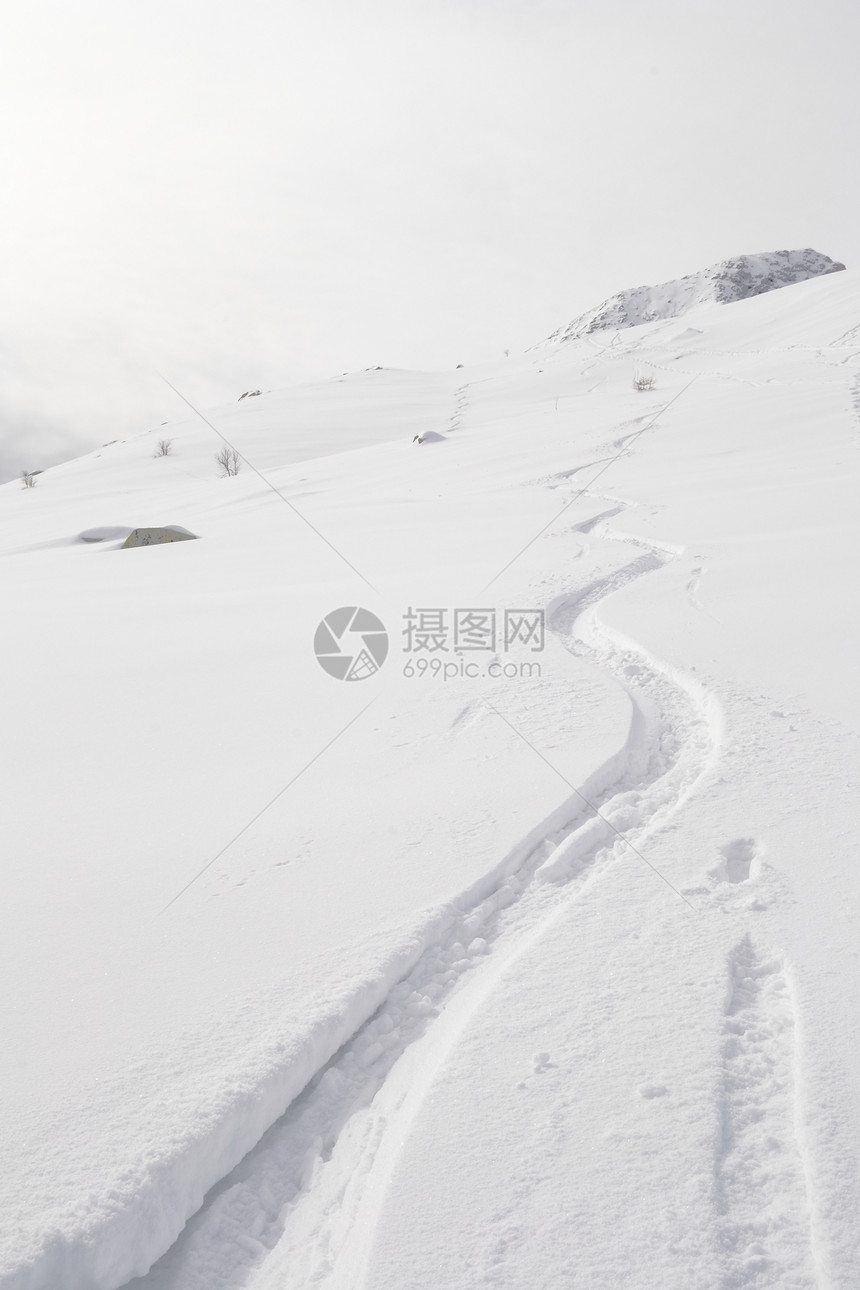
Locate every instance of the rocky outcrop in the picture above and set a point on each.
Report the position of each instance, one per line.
(155, 537)
(723, 283)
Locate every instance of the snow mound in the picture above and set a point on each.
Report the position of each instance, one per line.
(720, 284)
(429, 436)
(105, 533)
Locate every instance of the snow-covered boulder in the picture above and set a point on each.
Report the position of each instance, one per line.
(721, 284)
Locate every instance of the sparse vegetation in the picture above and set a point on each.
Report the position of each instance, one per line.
(164, 449)
(28, 479)
(228, 461)
(643, 381)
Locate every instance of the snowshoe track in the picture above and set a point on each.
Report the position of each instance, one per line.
(762, 1188)
(672, 743)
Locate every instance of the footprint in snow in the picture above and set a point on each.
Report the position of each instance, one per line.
(649, 1091)
(736, 861)
(541, 1063)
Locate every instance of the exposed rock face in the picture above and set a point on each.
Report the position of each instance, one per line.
(155, 537)
(723, 283)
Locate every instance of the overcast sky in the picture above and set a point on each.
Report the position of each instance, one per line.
(258, 193)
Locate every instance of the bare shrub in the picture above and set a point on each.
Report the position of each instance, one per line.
(164, 449)
(643, 381)
(28, 479)
(228, 461)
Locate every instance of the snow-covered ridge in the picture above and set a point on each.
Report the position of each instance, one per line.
(720, 284)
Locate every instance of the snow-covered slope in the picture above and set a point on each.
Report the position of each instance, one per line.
(721, 284)
(472, 972)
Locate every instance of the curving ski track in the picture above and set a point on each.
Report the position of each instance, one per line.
(290, 1191)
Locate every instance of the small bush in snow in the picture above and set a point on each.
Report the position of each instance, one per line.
(643, 381)
(164, 449)
(28, 479)
(228, 461)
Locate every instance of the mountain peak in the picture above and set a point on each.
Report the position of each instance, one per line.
(722, 283)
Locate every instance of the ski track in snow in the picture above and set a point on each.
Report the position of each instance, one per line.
(671, 744)
(851, 334)
(761, 1180)
(461, 406)
(855, 395)
(653, 353)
